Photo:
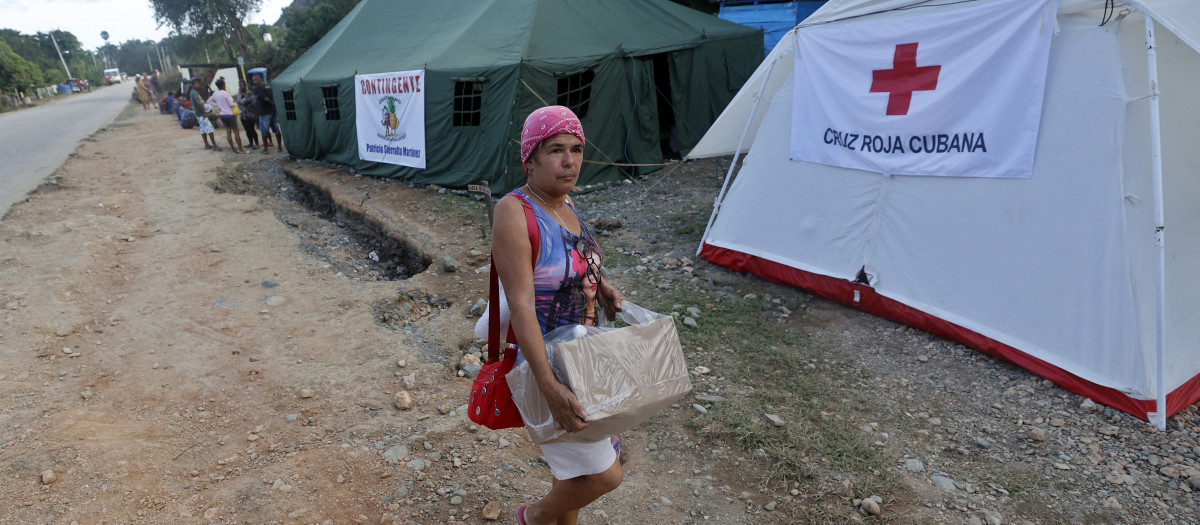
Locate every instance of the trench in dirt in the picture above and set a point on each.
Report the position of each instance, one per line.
(351, 243)
(348, 243)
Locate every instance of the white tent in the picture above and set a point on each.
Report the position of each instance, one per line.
(1081, 273)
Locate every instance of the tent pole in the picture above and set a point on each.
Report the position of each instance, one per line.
(736, 153)
(1160, 416)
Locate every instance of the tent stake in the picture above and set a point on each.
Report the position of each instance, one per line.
(1160, 416)
(736, 153)
(485, 188)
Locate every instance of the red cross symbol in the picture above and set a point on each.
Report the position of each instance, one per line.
(904, 78)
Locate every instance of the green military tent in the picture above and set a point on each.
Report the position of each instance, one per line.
(646, 77)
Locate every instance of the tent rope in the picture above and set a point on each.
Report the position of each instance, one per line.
(1110, 8)
(627, 164)
(610, 162)
(535, 93)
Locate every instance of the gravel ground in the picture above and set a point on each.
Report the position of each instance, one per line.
(979, 439)
(175, 354)
(970, 438)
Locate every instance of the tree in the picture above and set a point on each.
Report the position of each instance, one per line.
(307, 25)
(38, 50)
(16, 73)
(109, 52)
(207, 17)
(30, 48)
(131, 56)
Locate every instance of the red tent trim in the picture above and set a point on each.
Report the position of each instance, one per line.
(841, 291)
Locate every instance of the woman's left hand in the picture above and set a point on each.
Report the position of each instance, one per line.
(610, 299)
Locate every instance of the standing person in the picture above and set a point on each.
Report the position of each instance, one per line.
(559, 289)
(142, 95)
(248, 106)
(224, 103)
(267, 120)
(155, 83)
(206, 127)
(146, 83)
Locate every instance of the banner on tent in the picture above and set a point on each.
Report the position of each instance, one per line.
(390, 116)
(952, 93)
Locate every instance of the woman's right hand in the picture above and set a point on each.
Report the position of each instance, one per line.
(567, 411)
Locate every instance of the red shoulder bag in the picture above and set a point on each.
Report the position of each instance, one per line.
(491, 403)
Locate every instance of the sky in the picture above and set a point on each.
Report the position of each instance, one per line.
(123, 19)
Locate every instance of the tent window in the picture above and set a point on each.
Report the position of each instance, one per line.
(575, 91)
(468, 103)
(329, 94)
(289, 104)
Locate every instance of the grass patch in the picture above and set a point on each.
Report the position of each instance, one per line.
(733, 322)
(1023, 480)
(615, 259)
(762, 365)
(461, 208)
(686, 223)
(123, 119)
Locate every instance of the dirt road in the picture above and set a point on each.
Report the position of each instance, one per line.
(171, 354)
(186, 341)
(36, 141)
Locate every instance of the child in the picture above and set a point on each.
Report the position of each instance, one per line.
(206, 127)
(223, 102)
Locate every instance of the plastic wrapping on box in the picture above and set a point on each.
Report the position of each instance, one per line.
(621, 376)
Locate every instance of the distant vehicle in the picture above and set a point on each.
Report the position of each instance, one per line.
(112, 76)
(76, 85)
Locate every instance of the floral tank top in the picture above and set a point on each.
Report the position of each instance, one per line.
(567, 268)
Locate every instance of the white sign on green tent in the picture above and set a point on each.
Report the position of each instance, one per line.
(390, 117)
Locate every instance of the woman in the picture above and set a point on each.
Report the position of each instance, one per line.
(198, 106)
(146, 83)
(559, 290)
(249, 114)
(142, 95)
(223, 102)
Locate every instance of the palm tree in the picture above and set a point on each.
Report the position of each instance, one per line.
(104, 35)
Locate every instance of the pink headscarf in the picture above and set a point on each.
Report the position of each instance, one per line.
(545, 123)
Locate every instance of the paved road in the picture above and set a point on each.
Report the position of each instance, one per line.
(35, 142)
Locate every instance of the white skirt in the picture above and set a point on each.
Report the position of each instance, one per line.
(571, 460)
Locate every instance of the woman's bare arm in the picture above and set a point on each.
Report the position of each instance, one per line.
(512, 253)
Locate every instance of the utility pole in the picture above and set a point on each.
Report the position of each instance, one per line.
(148, 62)
(60, 58)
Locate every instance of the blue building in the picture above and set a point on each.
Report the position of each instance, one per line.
(775, 18)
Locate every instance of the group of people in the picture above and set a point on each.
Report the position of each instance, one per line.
(254, 108)
(147, 88)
